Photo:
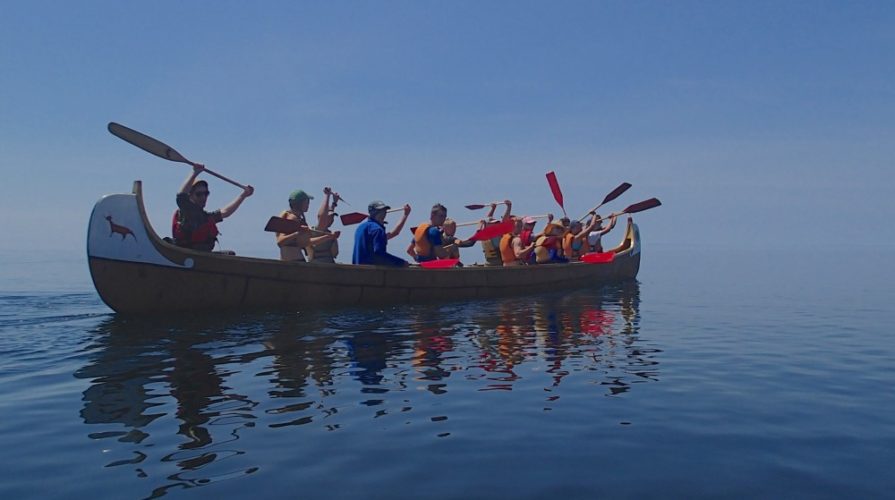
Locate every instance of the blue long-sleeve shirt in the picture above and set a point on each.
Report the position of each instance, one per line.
(370, 241)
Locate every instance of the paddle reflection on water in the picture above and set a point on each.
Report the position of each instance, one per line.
(182, 400)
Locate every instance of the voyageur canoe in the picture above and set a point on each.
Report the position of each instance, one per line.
(136, 271)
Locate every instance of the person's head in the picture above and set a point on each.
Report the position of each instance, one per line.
(449, 227)
(575, 227)
(517, 225)
(300, 201)
(554, 229)
(438, 214)
(199, 193)
(565, 221)
(528, 223)
(599, 224)
(377, 210)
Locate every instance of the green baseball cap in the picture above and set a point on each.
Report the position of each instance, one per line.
(299, 195)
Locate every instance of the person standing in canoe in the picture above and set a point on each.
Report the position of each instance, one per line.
(371, 240)
(328, 250)
(427, 238)
(292, 244)
(193, 227)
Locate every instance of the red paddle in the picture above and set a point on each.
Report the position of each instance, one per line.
(440, 264)
(598, 257)
(356, 217)
(557, 193)
(493, 231)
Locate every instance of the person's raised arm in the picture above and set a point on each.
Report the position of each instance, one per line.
(612, 221)
(229, 209)
(323, 211)
(397, 230)
(188, 183)
(587, 229)
(490, 214)
(506, 214)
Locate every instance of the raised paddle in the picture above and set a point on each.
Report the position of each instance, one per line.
(557, 193)
(624, 186)
(493, 231)
(356, 217)
(639, 207)
(158, 148)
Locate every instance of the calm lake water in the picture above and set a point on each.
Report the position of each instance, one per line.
(720, 373)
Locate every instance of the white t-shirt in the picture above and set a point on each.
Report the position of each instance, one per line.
(593, 238)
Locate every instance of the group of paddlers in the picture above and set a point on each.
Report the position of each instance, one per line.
(561, 240)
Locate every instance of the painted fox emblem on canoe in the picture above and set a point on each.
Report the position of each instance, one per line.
(119, 229)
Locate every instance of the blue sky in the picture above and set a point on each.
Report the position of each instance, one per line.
(756, 123)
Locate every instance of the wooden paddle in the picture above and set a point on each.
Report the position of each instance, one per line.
(624, 186)
(479, 206)
(557, 193)
(158, 148)
(639, 207)
(356, 217)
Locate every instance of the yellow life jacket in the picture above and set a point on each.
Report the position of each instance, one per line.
(492, 252)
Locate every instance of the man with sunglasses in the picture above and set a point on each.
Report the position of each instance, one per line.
(192, 226)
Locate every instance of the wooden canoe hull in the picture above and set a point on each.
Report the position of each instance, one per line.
(141, 273)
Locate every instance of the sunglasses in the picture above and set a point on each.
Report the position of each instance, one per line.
(201, 194)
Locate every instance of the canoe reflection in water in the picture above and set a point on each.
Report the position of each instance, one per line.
(180, 401)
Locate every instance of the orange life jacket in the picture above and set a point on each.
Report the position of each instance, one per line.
(507, 254)
(421, 244)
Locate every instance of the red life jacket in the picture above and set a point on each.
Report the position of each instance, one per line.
(202, 237)
(526, 237)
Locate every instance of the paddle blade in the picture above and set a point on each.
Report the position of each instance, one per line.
(598, 257)
(281, 225)
(624, 186)
(554, 187)
(475, 207)
(440, 264)
(643, 205)
(146, 143)
(493, 231)
(352, 218)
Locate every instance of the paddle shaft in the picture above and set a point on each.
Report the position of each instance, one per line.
(615, 193)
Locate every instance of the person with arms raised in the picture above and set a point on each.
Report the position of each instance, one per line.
(292, 244)
(192, 226)
(371, 240)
